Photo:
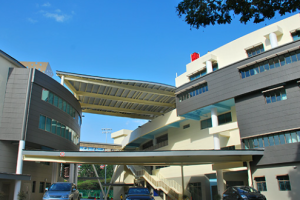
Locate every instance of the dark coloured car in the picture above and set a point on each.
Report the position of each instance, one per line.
(62, 191)
(242, 193)
(138, 193)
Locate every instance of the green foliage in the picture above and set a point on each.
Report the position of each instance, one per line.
(22, 195)
(90, 184)
(200, 13)
(86, 170)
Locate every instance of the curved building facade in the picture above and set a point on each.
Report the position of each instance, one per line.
(37, 113)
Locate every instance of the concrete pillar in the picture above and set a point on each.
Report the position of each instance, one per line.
(250, 182)
(273, 40)
(209, 67)
(154, 143)
(19, 168)
(215, 123)
(220, 182)
(76, 174)
(62, 81)
(54, 173)
(71, 173)
(182, 180)
(164, 197)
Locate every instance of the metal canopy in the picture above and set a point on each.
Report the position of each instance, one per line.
(119, 97)
(183, 157)
(11, 176)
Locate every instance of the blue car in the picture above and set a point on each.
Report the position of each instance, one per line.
(138, 193)
(62, 191)
(242, 193)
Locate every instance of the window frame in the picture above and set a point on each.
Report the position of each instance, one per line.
(263, 183)
(284, 181)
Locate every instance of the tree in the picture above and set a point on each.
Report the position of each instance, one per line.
(86, 170)
(200, 13)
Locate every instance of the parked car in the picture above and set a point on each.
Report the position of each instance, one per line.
(242, 193)
(62, 191)
(138, 193)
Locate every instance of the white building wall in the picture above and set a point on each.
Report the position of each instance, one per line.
(235, 50)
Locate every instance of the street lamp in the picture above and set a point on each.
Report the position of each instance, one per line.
(105, 131)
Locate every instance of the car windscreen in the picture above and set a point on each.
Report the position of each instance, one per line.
(60, 187)
(138, 191)
(246, 189)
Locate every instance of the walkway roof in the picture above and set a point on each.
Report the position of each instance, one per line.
(178, 157)
(120, 97)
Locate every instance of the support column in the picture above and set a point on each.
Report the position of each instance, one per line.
(215, 123)
(220, 183)
(76, 174)
(250, 182)
(71, 173)
(19, 168)
(54, 173)
(273, 40)
(154, 143)
(209, 68)
(182, 181)
(164, 197)
(62, 81)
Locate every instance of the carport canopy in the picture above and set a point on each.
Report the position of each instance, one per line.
(178, 157)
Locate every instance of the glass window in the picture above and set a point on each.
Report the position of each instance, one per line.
(284, 182)
(255, 50)
(58, 128)
(224, 118)
(288, 137)
(266, 141)
(294, 137)
(281, 138)
(186, 126)
(42, 187)
(45, 94)
(48, 124)
(50, 98)
(288, 59)
(63, 130)
(162, 138)
(294, 57)
(53, 126)
(271, 140)
(275, 95)
(261, 183)
(33, 186)
(255, 143)
(68, 109)
(282, 60)
(260, 142)
(276, 139)
(215, 66)
(60, 103)
(296, 35)
(64, 106)
(67, 133)
(192, 92)
(246, 142)
(55, 101)
(206, 123)
(42, 122)
(251, 143)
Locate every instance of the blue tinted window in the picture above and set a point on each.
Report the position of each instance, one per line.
(206, 123)
(275, 95)
(42, 122)
(296, 35)
(255, 50)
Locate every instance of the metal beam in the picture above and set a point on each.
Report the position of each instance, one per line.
(117, 114)
(123, 86)
(110, 108)
(190, 157)
(108, 97)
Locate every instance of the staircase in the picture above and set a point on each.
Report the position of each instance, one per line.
(158, 182)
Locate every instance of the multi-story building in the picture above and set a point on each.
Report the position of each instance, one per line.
(243, 95)
(36, 113)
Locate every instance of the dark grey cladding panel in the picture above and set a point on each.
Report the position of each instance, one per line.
(226, 82)
(14, 104)
(39, 107)
(256, 117)
(50, 84)
(286, 153)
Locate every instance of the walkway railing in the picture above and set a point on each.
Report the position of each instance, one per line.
(171, 188)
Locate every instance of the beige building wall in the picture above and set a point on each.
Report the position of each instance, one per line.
(270, 173)
(236, 50)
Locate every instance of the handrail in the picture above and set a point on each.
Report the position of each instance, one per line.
(172, 188)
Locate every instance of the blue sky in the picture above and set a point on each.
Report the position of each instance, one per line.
(128, 39)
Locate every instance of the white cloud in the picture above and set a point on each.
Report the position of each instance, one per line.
(46, 4)
(32, 20)
(58, 10)
(57, 17)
